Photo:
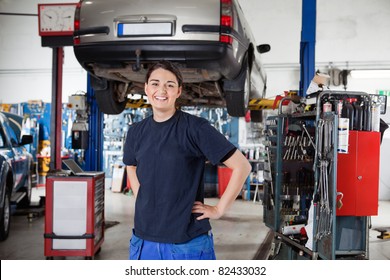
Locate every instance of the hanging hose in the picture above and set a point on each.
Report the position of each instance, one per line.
(325, 156)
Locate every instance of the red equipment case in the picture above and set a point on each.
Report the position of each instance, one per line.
(358, 175)
(74, 220)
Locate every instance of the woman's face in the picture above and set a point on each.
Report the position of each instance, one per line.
(162, 89)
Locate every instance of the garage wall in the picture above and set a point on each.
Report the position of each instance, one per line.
(351, 34)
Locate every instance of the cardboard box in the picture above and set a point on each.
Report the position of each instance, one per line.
(117, 178)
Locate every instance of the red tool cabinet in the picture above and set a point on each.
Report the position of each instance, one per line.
(74, 220)
(358, 175)
(224, 174)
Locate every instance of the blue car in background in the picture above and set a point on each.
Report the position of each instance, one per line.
(17, 169)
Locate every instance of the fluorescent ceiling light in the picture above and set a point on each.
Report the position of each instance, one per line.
(370, 74)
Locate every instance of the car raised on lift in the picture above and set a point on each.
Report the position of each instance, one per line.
(209, 40)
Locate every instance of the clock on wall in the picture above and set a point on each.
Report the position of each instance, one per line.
(56, 19)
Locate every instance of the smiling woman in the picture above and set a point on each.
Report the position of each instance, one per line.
(165, 156)
(163, 88)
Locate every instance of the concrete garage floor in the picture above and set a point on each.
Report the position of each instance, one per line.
(239, 235)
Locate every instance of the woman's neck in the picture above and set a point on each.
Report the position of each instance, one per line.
(162, 115)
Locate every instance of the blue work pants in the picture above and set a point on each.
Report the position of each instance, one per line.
(198, 248)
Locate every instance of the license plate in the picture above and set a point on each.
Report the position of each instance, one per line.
(145, 29)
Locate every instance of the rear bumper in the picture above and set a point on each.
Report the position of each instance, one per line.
(203, 55)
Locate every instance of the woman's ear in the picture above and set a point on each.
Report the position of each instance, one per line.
(179, 91)
(146, 88)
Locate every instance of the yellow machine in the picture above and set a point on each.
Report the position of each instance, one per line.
(385, 234)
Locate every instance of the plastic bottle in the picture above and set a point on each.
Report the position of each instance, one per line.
(367, 116)
(326, 105)
(339, 107)
(358, 115)
(348, 112)
(375, 116)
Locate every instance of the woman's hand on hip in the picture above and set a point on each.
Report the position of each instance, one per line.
(207, 211)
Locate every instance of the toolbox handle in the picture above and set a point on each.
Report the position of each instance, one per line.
(55, 236)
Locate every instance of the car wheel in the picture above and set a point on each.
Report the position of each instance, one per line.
(108, 100)
(237, 100)
(5, 218)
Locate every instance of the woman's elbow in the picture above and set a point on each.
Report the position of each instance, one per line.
(247, 168)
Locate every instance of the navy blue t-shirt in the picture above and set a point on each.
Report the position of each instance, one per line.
(170, 157)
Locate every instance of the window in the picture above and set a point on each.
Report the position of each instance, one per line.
(2, 138)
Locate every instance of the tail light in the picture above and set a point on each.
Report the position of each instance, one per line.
(226, 19)
(76, 39)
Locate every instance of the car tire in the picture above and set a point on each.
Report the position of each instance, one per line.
(106, 101)
(5, 218)
(237, 92)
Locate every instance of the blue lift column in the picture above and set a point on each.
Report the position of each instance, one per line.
(94, 154)
(308, 40)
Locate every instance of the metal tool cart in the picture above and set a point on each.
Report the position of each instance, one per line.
(74, 221)
(318, 192)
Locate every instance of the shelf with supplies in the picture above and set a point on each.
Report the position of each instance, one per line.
(314, 179)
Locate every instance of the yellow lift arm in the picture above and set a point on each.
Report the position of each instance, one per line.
(254, 104)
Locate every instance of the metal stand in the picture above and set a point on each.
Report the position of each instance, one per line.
(56, 109)
(305, 171)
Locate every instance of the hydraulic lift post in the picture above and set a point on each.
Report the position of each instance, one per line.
(94, 153)
(308, 40)
(56, 109)
(54, 35)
